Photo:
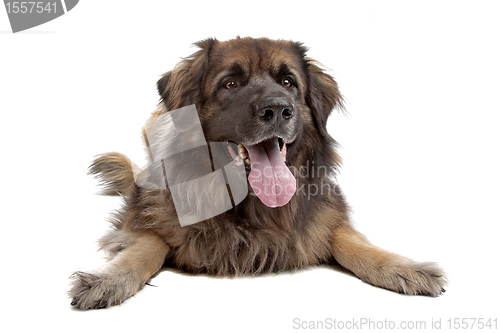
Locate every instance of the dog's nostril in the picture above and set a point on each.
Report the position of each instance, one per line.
(287, 113)
(268, 114)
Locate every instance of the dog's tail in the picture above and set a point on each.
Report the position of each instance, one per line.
(115, 173)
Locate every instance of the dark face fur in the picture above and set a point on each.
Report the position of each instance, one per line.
(254, 91)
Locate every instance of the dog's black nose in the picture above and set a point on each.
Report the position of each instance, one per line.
(275, 108)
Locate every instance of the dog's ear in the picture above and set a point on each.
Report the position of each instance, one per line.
(182, 86)
(323, 95)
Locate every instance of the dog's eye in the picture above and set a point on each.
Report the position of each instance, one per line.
(287, 82)
(230, 85)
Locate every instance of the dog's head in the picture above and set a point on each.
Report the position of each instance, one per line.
(265, 96)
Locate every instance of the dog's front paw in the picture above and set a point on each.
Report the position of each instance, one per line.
(411, 278)
(94, 291)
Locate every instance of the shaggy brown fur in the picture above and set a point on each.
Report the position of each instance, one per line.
(250, 238)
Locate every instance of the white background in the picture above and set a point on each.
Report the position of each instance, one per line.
(420, 148)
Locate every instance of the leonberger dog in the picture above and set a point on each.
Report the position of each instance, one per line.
(262, 105)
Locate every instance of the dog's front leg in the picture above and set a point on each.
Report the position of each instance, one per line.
(385, 269)
(143, 255)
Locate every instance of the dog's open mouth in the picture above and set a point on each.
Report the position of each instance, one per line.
(270, 178)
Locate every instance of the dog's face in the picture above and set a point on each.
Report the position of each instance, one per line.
(262, 95)
(253, 92)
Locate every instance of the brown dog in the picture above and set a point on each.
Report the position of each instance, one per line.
(269, 99)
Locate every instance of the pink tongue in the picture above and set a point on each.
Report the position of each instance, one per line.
(270, 179)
